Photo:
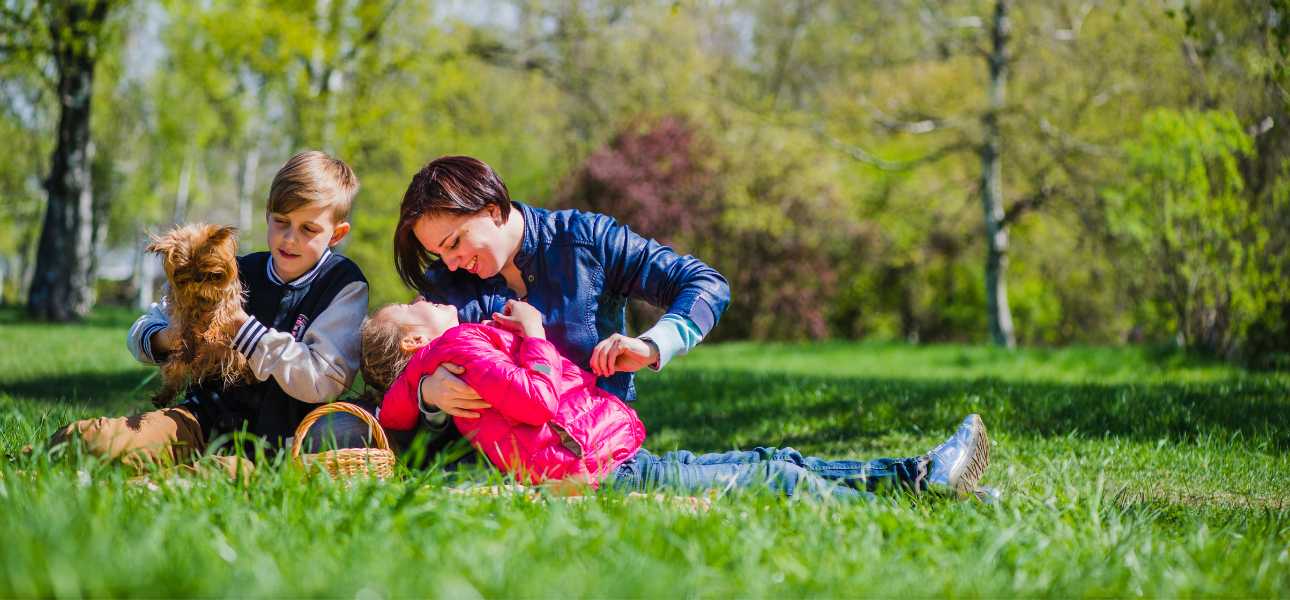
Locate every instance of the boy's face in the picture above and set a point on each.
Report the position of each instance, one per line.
(298, 239)
(420, 321)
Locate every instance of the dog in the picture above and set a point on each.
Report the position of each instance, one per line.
(205, 296)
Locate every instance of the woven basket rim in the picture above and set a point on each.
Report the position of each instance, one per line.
(378, 461)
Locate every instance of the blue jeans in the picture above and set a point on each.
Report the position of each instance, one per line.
(781, 470)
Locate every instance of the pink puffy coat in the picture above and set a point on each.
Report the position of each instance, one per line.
(548, 419)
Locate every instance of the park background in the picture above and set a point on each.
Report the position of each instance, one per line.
(1070, 217)
(1042, 173)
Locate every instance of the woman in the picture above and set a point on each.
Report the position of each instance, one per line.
(461, 240)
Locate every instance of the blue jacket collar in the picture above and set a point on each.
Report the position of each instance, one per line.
(529, 244)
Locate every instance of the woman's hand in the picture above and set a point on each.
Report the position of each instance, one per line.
(622, 353)
(521, 318)
(444, 390)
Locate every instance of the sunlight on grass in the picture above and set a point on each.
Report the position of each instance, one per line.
(1123, 472)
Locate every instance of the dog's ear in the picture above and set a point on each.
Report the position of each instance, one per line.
(221, 234)
(162, 244)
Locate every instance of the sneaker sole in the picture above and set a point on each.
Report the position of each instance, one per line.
(965, 476)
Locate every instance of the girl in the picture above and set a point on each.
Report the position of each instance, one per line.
(548, 421)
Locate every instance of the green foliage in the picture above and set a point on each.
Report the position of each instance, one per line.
(1182, 211)
(843, 137)
(1123, 472)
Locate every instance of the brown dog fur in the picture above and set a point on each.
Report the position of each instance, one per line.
(205, 295)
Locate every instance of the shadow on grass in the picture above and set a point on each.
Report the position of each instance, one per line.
(112, 317)
(86, 388)
(709, 408)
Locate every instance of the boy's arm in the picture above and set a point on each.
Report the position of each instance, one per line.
(321, 365)
(139, 339)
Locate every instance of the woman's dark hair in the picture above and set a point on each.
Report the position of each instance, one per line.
(457, 185)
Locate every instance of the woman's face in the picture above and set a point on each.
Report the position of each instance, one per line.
(474, 242)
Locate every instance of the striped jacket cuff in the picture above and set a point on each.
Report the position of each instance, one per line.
(248, 337)
(146, 341)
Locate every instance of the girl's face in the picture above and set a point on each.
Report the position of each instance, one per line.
(421, 321)
(473, 242)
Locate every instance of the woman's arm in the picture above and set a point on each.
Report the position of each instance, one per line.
(694, 294)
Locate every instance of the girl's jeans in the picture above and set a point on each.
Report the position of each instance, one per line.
(782, 470)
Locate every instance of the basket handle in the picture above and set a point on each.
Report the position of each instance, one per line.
(382, 442)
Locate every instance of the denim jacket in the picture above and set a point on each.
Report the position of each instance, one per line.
(580, 268)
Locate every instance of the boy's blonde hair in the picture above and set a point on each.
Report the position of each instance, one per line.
(313, 177)
(382, 357)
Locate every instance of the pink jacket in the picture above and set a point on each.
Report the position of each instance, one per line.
(548, 419)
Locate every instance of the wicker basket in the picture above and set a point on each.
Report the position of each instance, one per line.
(347, 462)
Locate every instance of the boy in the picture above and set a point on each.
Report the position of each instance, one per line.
(299, 330)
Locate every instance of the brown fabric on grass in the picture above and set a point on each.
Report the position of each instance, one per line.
(163, 438)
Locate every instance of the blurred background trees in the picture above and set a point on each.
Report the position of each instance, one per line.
(845, 164)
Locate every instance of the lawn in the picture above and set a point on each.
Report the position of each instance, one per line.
(1123, 472)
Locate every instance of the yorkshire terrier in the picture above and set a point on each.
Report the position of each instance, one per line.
(205, 298)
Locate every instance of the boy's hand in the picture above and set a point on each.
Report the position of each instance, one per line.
(163, 342)
(521, 318)
(622, 353)
(446, 391)
(240, 317)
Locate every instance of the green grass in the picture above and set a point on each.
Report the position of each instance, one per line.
(1124, 472)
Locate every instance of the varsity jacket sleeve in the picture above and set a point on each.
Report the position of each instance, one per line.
(321, 365)
(139, 339)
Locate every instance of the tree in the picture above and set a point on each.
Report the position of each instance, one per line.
(71, 34)
(1183, 210)
(996, 229)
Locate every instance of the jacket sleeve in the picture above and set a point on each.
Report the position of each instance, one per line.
(139, 339)
(637, 267)
(399, 407)
(524, 388)
(321, 365)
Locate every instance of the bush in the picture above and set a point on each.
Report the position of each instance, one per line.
(769, 220)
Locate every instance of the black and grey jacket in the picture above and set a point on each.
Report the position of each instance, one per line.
(301, 342)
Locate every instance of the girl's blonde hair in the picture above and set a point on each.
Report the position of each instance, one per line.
(382, 358)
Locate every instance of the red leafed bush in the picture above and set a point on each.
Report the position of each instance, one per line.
(775, 235)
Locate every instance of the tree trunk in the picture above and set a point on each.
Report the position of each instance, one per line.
(180, 214)
(62, 288)
(246, 175)
(996, 232)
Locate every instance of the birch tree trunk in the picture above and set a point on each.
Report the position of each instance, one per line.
(62, 287)
(996, 231)
(246, 172)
